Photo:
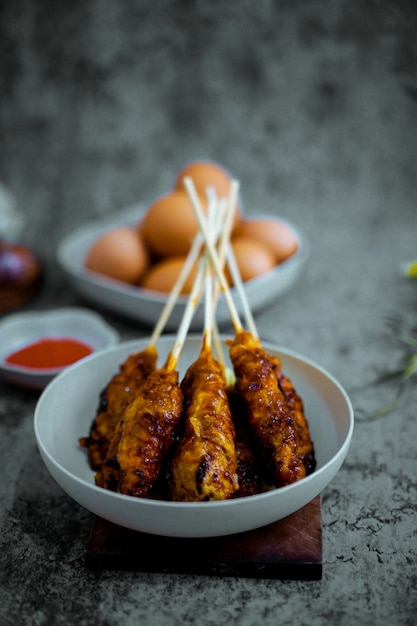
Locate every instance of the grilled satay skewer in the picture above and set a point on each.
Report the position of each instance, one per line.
(151, 420)
(147, 432)
(109, 474)
(205, 463)
(268, 415)
(256, 382)
(204, 466)
(294, 403)
(249, 471)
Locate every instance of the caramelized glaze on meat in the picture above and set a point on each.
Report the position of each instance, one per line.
(114, 398)
(148, 432)
(295, 404)
(205, 463)
(268, 416)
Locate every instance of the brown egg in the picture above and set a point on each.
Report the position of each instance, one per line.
(169, 225)
(204, 174)
(273, 234)
(118, 253)
(252, 258)
(163, 275)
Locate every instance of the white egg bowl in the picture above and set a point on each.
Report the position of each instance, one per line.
(67, 408)
(22, 329)
(144, 305)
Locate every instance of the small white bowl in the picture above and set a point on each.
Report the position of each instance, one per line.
(21, 329)
(67, 407)
(144, 305)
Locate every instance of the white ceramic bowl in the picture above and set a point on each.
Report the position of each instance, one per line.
(144, 305)
(67, 407)
(21, 329)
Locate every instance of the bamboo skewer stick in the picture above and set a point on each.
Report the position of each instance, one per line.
(190, 308)
(209, 302)
(214, 258)
(237, 280)
(212, 261)
(226, 251)
(228, 221)
(202, 282)
(225, 214)
(176, 289)
(204, 279)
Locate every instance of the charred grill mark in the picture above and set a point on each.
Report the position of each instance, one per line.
(112, 463)
(103, 402)
(141, 476)
(201, 472)
(310, 462)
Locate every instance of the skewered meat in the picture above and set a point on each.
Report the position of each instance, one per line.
(268, 416)
(148, 432)
(114, 398)
(109, 473)
(295, 405)
(205, 463)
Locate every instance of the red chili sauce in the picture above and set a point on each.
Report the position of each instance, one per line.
(49, 353)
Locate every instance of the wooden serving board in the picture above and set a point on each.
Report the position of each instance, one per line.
(288, 549)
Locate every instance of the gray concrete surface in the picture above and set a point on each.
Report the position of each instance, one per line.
(313, 107)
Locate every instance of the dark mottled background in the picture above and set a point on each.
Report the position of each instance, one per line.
(313, 107)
